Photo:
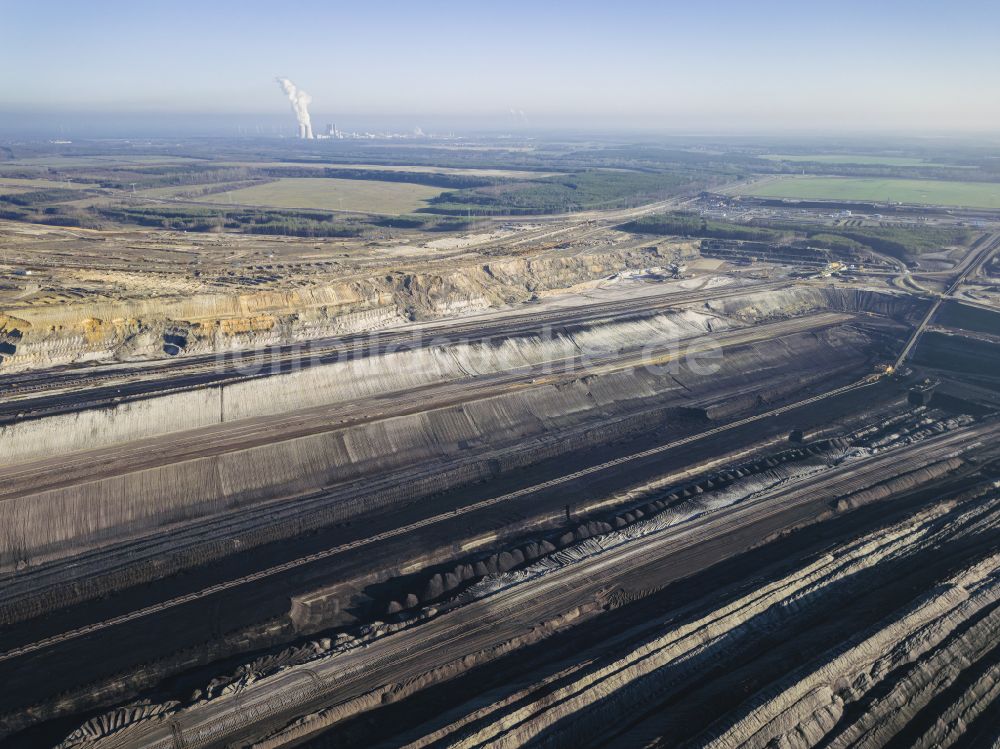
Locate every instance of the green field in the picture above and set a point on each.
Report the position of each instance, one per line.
(924, 191)
(14, 184)
(178, 191)
(363, 196)
(492, 173)
(849, 158)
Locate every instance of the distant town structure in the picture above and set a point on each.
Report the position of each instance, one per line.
(331, 132)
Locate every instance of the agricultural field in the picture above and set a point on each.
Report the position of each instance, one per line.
(10, 185)
(411, 169)
(850, 158)
(11, 189)
(54, 162)
(362, 196)
(924, 191)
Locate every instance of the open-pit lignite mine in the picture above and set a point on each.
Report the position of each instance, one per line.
(504, 491)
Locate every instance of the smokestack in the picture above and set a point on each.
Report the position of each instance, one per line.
(300, 102)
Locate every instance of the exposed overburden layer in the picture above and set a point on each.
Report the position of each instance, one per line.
(349, 380)
(323, 306)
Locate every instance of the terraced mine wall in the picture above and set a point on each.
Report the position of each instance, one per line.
(352, 380)
(768, 305)
(961, 354)
(745, 252)
(340, 382)
(453, 446)
(42, 336)
(639, 665)
(955, 314)
(865, 683)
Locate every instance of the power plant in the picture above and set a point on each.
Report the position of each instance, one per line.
(300, 102)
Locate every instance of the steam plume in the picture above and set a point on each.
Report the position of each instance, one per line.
(300, 101)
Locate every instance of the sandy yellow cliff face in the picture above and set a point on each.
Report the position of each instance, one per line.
(114, 319)
(14, 326)
(98, 333)
(239, 325)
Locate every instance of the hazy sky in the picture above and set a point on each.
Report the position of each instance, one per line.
(717, 64)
